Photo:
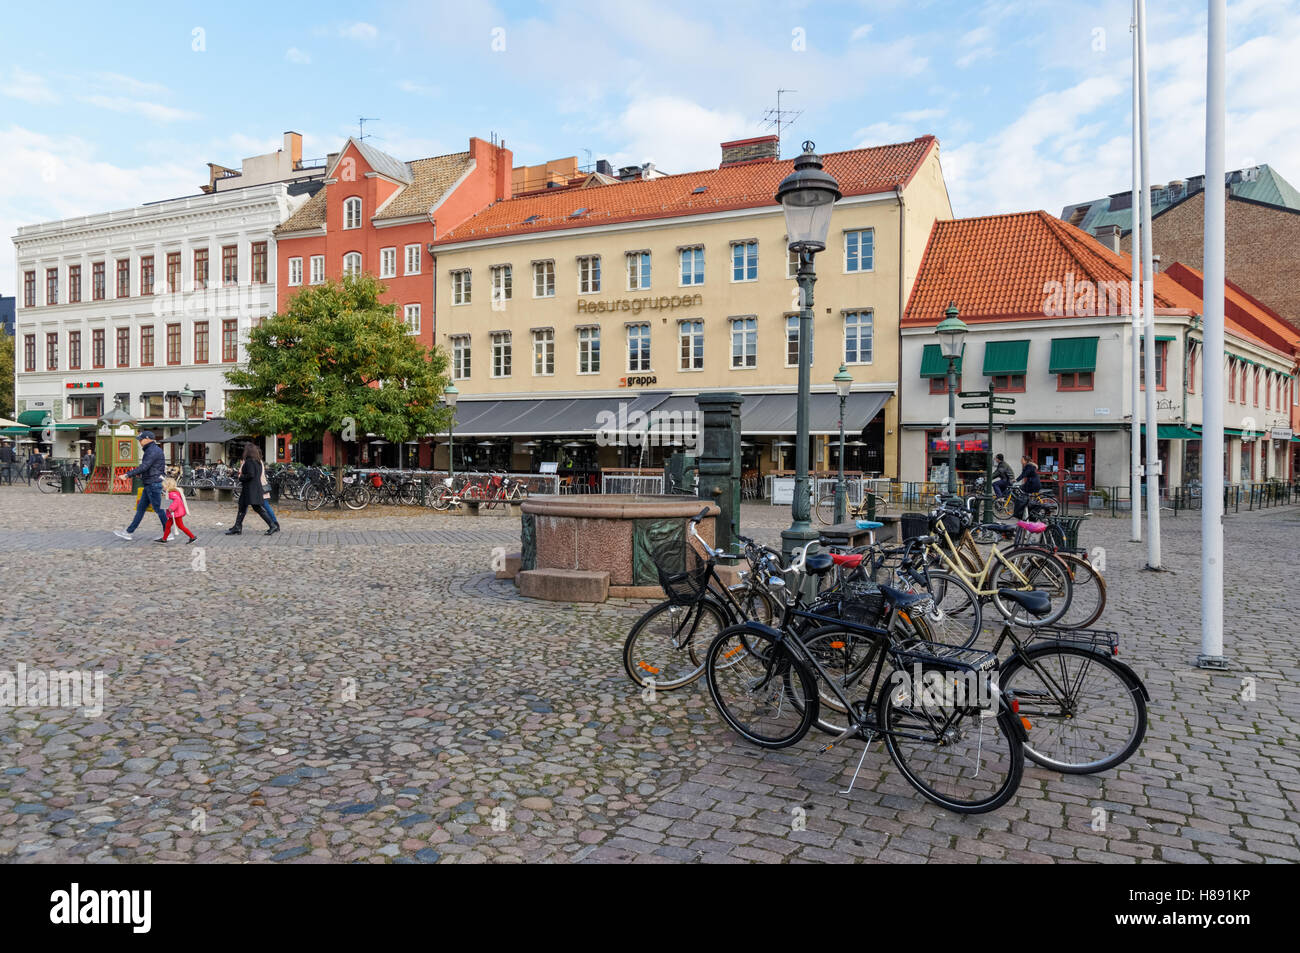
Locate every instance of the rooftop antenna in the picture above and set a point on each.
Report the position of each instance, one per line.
(779, 117)
(588, 167)
(361, 125)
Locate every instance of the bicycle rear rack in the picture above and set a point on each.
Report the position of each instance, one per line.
(1101, 640)
(948, 657)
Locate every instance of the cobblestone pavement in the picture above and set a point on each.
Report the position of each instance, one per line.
(364, 690)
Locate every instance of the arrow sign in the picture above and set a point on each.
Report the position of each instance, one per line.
(972, 393)
(974, 405)
(1002, 410)
(1004, 400)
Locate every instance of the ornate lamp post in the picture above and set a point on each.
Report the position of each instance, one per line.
(807, 195)
(187, 401)
(952, 336)
(843, 384)
(449, 396)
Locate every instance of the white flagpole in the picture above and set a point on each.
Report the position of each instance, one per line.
(1212, 392)
(1135, 307)
(1148, 303)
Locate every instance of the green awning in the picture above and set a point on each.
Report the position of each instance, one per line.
(1173, 432)
(33, 418)
(934, 364)
(1072, 356)
(1005, 357)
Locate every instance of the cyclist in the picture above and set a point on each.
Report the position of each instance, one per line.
(1027, 483)
(1003, 475)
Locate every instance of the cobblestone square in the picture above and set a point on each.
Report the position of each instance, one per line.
(362, 689)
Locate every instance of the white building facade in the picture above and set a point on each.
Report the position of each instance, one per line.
(133, 306)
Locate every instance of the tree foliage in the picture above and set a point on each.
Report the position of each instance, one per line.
(6, 375)
(338, 360)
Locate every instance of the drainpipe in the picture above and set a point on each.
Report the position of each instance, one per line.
(902, 285)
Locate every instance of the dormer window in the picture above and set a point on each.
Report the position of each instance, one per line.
(352, 212)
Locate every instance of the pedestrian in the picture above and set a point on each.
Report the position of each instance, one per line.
(150, 472)
(176, 511)
(8, 459)
(1002, 476)
(1028, 483)
(33, 464)
(253, 492)
(87, 464)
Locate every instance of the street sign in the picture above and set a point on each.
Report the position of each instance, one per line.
(974, 405)
(1002, 410)
(1004, 400)
(972, 393)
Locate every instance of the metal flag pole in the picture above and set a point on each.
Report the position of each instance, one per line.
(1148, 302)
(1135, 308)
(1212, 393)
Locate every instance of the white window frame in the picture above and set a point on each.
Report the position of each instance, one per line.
(413, 259)
(792, 324)
(460, 357)
(870, 326)
(588, 274)
(635, 270)
(352, 212)
(462, 286)
(638, 333)
(871, 233)
(411, 315)
(692, 251)
(746, 245)
(747, 327)
(317, 273)
(502, 290)
(502, 354)
(545, 271)
(295, 271)
(359, 263)
(388, 262)
(543, 352)
(687, 331)
(586, 338)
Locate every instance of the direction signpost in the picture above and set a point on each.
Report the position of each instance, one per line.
(990, 403)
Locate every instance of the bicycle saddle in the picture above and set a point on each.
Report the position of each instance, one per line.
(847, 560)
(869, 524)
(902, 600)
(818, 564)
(1035, 600)
(1029, 527)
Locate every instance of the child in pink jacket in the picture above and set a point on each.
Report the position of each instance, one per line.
(176, 511)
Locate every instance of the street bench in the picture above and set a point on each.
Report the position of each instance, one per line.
(850, 536)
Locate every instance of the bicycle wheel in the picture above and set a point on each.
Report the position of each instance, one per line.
(964, 758)
(845, 657)
(957, 615)
(826, 510)
(756, 605)
(48, 483)
(754, 681)
(1088, 599)
(1041, 570)
(1086, 713)
(406, 494)
(314, 497)
(1003, 507)
(667, 645)
(356, 496)
(474, 492)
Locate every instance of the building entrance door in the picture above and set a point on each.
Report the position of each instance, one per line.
(1064, 461)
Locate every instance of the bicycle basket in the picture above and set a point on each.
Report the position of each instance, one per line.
(376, 480)
(950, 521)
(684, 586)
(854, 601)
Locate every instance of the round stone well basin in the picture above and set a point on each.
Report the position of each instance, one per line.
(617, 533)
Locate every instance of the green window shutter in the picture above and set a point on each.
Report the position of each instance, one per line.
(1073, 355)
(1006, 357)
(934, 364)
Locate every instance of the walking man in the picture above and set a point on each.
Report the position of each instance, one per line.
(150, 472)
(8, 459)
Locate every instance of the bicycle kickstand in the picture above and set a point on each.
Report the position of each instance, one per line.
(862, 757)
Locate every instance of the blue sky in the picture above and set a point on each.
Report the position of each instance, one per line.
(1030, 98)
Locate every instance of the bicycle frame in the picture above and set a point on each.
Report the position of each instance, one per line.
(976, 580)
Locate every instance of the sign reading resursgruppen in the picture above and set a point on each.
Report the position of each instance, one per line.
(637, 305)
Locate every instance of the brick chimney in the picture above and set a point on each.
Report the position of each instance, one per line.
(759, 149)
(496, 158)
(1108, 235)
(293, 146)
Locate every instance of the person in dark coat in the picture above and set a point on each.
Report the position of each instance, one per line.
(1028, 482)
(251, 492)
(8, 460)
(150, 472)
(1003, 475)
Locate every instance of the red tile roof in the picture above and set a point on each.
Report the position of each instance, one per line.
(1002, 266)
(1243, 314)
(859, 172)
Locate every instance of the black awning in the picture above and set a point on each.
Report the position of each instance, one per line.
(216, 430)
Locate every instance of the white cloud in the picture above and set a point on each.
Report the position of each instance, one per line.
(28, 87)
(364, 32)
(295, 55)
(676, 134)
(130, 85)
(155, 111)
(418, 89)
(860, 32)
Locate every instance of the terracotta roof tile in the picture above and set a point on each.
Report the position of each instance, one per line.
(310, 215)
(751, 185)
(1243, 314)
(1001, 266)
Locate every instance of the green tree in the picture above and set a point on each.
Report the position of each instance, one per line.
(6, 375)
(339, 361)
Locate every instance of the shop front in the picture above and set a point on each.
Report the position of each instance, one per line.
(1065, 460)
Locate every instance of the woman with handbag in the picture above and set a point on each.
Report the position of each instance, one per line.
(253, 491)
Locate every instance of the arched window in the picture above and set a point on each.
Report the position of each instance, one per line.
(352, 212)
(352, 263)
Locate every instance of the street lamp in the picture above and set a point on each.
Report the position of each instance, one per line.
(952, 336)
(806, 195)
(449, 396)
(187, 401)
(843, 384)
